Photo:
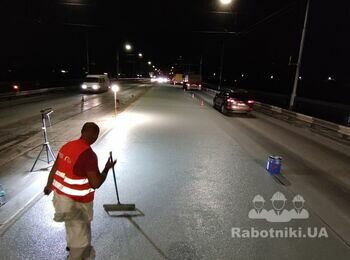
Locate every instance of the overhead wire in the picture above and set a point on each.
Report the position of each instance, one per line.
(268, 18)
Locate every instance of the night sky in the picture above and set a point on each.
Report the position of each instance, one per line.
(40, 38)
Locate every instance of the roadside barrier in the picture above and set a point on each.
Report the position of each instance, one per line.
(9, 95)
(313, 122)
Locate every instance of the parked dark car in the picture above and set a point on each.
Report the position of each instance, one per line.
(233, 101)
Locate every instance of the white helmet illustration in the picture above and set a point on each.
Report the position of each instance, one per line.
(258, 202)
(298, 198)
(298, 202)
(278, 196)
(278, 200)
(258, 198)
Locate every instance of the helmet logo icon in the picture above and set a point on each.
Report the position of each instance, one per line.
(278, 201)
(278, 213)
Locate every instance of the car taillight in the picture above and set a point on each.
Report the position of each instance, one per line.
(231, 101)
(251, 102)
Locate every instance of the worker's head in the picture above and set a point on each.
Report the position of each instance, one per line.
(90, 132)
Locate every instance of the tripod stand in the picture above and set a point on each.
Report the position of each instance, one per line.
(46, 145)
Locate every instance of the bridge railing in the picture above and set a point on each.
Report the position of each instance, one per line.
(71, 85)
(288, 115)
(334, 112)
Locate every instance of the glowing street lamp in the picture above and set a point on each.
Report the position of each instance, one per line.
(149, 62)
(225, 2)
(128, 47)
(115, 89)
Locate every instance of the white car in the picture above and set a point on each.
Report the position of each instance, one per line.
(95, 83)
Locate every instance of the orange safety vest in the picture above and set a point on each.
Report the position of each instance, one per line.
(65, 181)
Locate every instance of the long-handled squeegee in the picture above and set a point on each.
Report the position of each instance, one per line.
(119, 206)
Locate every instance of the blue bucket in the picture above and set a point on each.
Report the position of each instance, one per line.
(274, 164)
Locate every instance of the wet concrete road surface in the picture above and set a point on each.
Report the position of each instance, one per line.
(192, 181)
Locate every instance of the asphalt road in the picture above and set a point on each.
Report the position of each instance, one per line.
(21, 135)
(193, 174)
(15, 114)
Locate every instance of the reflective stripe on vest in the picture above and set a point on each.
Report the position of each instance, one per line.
(66, 180)
(70, 191)
(71, 181)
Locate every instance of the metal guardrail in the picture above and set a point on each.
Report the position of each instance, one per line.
(29, 92)
(312, 122)
(23, 93)
(325, 110)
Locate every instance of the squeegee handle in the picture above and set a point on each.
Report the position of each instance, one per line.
(115, 180)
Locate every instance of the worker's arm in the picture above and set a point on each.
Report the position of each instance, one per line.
(48, 189)
(96, 178)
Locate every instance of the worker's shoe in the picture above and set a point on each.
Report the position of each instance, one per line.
(67, 248)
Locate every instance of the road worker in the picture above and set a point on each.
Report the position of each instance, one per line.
(74, 178)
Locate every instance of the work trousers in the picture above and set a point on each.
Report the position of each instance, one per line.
(77, 218)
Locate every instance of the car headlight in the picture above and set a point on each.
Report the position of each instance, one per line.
(95, 87)
(84, 86)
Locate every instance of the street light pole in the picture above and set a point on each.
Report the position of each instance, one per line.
(298, 65)
(225, 3)
(221, 64)
(115, 103)
(201, 67)
(115, 89)
(87, 53)
(117, 64)
(127, 47)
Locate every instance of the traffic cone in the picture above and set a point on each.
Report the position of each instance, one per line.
(192, 95)
(202, 103)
